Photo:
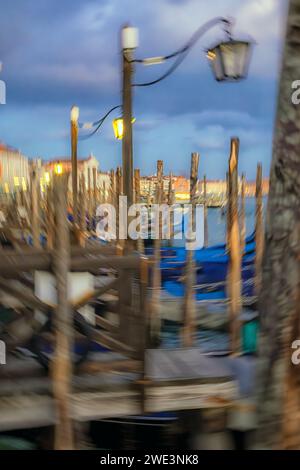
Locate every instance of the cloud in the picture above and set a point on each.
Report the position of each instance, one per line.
(61, 53)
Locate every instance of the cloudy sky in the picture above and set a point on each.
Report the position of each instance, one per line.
(58, 53)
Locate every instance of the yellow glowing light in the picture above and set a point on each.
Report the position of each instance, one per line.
(118, 127)
(58, 169)
(24, 186)
(183, 196)
(6, 188)
(47, 177)
(16, 181)
(211, 55)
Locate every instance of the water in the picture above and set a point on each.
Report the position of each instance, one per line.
(212, 340)
(216, 219)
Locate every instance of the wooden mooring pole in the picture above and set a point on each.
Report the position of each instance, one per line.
(171, 201)
(234, 269)
(35, 208)
(83, 208)
(156, 273)
(189, 305)
(112, 189)
(90, 200)
(74, 137)
(137, 192)
(243, 215)
(205, 211)
(259, 229)
(62, 364)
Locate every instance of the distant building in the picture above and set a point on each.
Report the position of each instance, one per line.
(181, 186)
(214, 187)
(85, 166)
(14, 169)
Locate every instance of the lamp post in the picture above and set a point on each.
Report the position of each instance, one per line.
(129, 42)
(229, 60)
(74, 138)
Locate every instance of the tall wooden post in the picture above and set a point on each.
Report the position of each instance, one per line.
(205, 211)
(35, 213)
(137, 189)
(90, 200)
(243, 215)
(137, 185)
(234, 270)
(103, 193)
(156, 273)
(171, 201)
(259, 229)
(149, 194)
(74, 138)
(112, 189)
(227, 212)
(62, 364)
(50, 222)
(189, 305)
(95, 193)
(278, 384)
(119, 192)
(83, 207)
(127, 153)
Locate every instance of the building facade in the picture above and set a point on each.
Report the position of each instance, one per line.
(14, 169)
(86, 167)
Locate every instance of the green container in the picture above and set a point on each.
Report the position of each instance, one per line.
(15, 443)
(249, 336)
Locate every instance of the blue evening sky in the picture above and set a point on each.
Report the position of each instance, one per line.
(58, 53)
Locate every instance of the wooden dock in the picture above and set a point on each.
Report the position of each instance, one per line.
(178, 379)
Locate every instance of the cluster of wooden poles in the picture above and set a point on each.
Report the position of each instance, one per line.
(41, 219)
(48, 214)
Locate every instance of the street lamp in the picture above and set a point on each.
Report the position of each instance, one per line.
(118, 127)
(58, 169)
(74, 115)
(229, 60)
(129, 42)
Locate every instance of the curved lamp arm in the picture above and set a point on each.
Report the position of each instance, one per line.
(182, 53)
(98, 123)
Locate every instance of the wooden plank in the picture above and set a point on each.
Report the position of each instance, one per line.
(93, 295)
(22, 412)
(188, 364)
(116, 262)
(107, 325)
(112, 343)
(189, 397)
(24, 295)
